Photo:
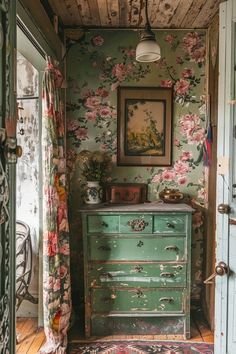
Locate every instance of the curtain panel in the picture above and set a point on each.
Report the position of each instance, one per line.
(56, 250)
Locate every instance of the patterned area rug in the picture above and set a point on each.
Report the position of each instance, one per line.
(140, 347)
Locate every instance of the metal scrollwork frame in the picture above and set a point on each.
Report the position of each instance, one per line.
(7, 185)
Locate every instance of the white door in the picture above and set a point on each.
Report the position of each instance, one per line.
(225, 306)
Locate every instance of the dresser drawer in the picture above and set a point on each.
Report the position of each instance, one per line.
(136, 223)
(137, 300)
(105, 224)
(137, 275)
(148, 248)
(171, 224)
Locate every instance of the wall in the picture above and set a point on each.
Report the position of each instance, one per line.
(95, 68)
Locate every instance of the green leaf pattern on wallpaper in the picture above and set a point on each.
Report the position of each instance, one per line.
(106, 59)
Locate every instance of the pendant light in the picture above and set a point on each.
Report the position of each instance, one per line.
(148, 49)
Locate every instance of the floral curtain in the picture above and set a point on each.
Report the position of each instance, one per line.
(56, 252)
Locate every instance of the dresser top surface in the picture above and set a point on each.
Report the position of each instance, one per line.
(144, 207)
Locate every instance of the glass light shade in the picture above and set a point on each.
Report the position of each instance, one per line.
(148, 50)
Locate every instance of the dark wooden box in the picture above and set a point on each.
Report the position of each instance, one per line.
(126, 193)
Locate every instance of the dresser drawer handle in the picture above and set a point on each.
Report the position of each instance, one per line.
(109, 298)
(172, 248)
(138, 269)
(140, 244)
(167, 275)
(139, 293)
(106, 275)
(170, 226)
(103, 223)
(137, 224)
(104, 248)
(166, 299)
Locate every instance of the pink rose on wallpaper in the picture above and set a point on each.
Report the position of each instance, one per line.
(181, 87)
(121, 70)
(156, 178)
(186, 155)
(197, 136)
(97, 40)
(72, 125)
(191, 40)
(182, 180)
(166, 83)
(81, 133)
(91, 116)
(188, 123)
(105, 112)
(193, 46)
(168, 175)
(181, 167)
(169, 38)
(102, 92)
(92, 102)
(187, 73)
(176, 142)
(199, 55)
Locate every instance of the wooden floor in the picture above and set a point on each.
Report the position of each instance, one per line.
(31, 338)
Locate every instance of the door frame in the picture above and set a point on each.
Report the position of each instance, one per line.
(224, 170)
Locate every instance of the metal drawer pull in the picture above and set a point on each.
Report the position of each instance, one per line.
(140, 244)
(171, 248)
(109, 298)
(139, 293)
(166, 299)
(103, 223)
(167, 275)
(138, 269)
(171, 226)
(137, 224)
(106, 275)
(104, 248)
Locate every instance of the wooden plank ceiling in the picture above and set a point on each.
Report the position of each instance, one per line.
(131, 13)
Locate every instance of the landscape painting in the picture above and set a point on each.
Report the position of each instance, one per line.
(144, 126)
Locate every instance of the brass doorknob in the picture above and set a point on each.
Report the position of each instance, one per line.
(223, 208)
(221, 269)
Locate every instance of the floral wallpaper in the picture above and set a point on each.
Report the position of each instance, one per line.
(96, 66)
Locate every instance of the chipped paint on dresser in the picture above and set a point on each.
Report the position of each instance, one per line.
(137, 270)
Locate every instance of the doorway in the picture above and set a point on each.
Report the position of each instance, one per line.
(29, 319)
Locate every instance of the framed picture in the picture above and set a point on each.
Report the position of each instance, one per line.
(144, 126)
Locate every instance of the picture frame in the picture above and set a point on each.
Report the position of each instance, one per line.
(144, 126)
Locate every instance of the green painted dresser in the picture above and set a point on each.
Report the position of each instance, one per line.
(137, 266)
